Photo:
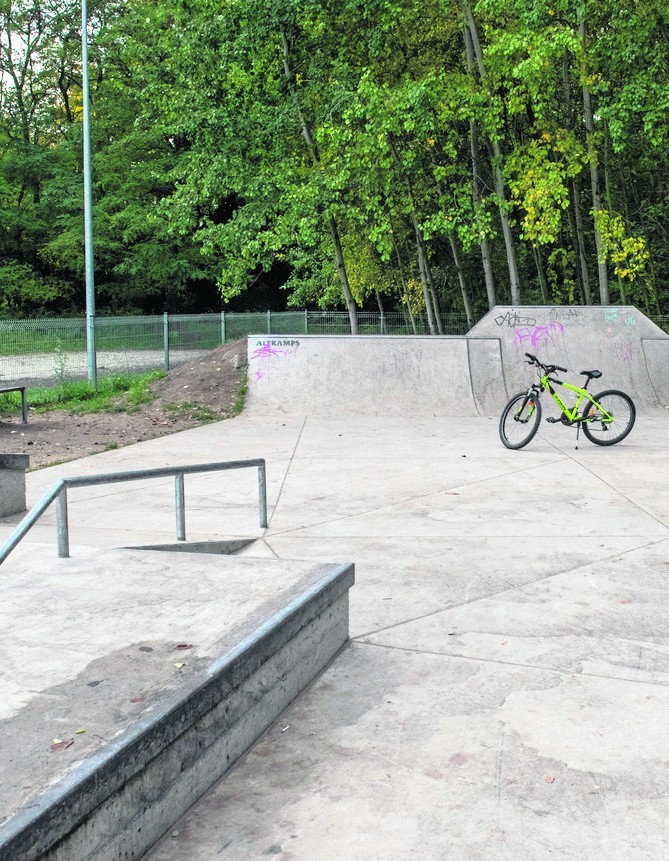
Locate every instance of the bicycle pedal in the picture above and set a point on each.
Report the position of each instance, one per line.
(551, 420)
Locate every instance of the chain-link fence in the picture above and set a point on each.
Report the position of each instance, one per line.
(661, 320)
(46, 351)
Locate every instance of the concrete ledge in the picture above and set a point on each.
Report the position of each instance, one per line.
(13, 483)
(121, 800)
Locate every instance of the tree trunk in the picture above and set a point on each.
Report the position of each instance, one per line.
(404, 292)
(575, 218)
(594, 182)
(536, 252)
(476, 185)
(580, 241)
(461, 278)
(431, 287)
(653, 282)
(343, 277)
(609, 204)
(429, 293)
(423, 269)
(315, 159)
(511, 260)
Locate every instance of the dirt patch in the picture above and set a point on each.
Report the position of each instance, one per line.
(196, 393)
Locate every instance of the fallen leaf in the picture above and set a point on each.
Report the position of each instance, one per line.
(79, 731)
(62, 745)
(185, 646)
(549, 778)
(179, 666)
(175, 834)
(137, 700)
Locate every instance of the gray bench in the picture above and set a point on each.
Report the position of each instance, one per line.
(24, 405)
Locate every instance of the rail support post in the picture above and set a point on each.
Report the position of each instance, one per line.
(180, 505)
(62, 527)
(262, 494)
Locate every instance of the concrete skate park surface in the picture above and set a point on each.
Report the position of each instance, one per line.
(505, 691)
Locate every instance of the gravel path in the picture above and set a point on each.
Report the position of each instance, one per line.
(40, 367)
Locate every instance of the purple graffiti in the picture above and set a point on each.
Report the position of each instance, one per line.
(275, 349)
(267, 351)
(624, 351)
(538, 336)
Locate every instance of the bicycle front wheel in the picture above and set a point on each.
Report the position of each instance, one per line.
(520, 420)
(610, 419)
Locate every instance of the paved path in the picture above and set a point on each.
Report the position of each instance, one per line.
(505, 691)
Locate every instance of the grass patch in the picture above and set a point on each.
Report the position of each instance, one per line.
(123, 393)
(240, 400)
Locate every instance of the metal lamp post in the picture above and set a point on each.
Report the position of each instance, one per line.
(88, 209)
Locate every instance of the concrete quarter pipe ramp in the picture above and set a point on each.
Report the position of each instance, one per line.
(630, 350)
(457, 376)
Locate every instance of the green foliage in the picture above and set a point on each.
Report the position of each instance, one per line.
(628, 254)
(234, 139)
(559, 274)
(537, 175)
(119, 393)
(24, 292)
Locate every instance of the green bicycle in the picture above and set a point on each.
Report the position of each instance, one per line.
(606, 418)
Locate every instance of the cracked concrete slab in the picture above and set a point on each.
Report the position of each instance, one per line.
(506, 690)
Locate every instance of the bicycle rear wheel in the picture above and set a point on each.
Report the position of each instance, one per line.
(601, 429)
(520, 420)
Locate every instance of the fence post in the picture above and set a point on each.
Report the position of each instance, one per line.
(222, 327)
(269, 322)
(166, 339)
(306, 322)
(382, 323)
(62, 529)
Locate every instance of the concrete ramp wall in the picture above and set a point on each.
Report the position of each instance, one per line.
(457, 376)
(629, 350)
(656, 354)
(374, 375)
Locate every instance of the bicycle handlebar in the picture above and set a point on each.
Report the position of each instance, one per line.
(548, 369)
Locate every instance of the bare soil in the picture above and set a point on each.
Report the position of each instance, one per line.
(201, 391)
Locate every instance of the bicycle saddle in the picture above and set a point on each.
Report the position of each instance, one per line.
(592, 375)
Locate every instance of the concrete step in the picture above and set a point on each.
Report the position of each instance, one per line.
(138, 678)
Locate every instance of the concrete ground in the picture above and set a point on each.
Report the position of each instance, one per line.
(506, 688)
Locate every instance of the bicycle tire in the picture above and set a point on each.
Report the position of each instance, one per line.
(621, 407)
(520, 420)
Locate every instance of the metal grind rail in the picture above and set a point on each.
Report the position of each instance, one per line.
(58, 494)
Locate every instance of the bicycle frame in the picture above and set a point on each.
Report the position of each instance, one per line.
(572, 415)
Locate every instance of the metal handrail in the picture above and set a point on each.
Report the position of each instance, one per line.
(58, 493)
